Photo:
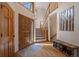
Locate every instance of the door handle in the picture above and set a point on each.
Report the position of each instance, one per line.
(13, 35)
(1, 35)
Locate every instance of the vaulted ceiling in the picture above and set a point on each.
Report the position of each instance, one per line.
(40, 9)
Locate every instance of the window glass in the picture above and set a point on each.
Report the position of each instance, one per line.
(28, 5)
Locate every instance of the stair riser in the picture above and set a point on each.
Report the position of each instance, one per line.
(39, 35)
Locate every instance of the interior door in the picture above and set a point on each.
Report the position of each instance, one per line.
(24, 31)
(1, 39)
(11, 33)
(28, 30)
(6, 31)
(5, 36)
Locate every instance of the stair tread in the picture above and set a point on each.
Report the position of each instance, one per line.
(39, 35)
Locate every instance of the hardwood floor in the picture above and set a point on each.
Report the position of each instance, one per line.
(17, 55)
(44, 49)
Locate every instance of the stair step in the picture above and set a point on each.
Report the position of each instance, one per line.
(40, 38)
(40, 35)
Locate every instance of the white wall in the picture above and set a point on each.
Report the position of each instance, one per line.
(53, 26)
(69, 36)
(37, 23)
(18, 9)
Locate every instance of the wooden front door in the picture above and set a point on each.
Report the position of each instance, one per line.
(24, 31)
(6, 30)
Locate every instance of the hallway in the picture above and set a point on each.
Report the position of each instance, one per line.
(43, 49)
(39, 29)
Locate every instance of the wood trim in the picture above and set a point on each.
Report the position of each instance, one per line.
(33, 7)
(53, 36)
(49, 9)
(6, 5)
(54, 6)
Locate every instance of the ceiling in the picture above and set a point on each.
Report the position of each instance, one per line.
(40, 9)
(42, 4)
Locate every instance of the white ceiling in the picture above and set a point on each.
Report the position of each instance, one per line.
(40, 9)
(42, 4)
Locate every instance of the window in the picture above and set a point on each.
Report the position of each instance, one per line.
(66, 18)
(28, 5)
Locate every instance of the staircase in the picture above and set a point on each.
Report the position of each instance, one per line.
(39, 36)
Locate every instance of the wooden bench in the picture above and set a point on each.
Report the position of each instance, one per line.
(66, 48)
